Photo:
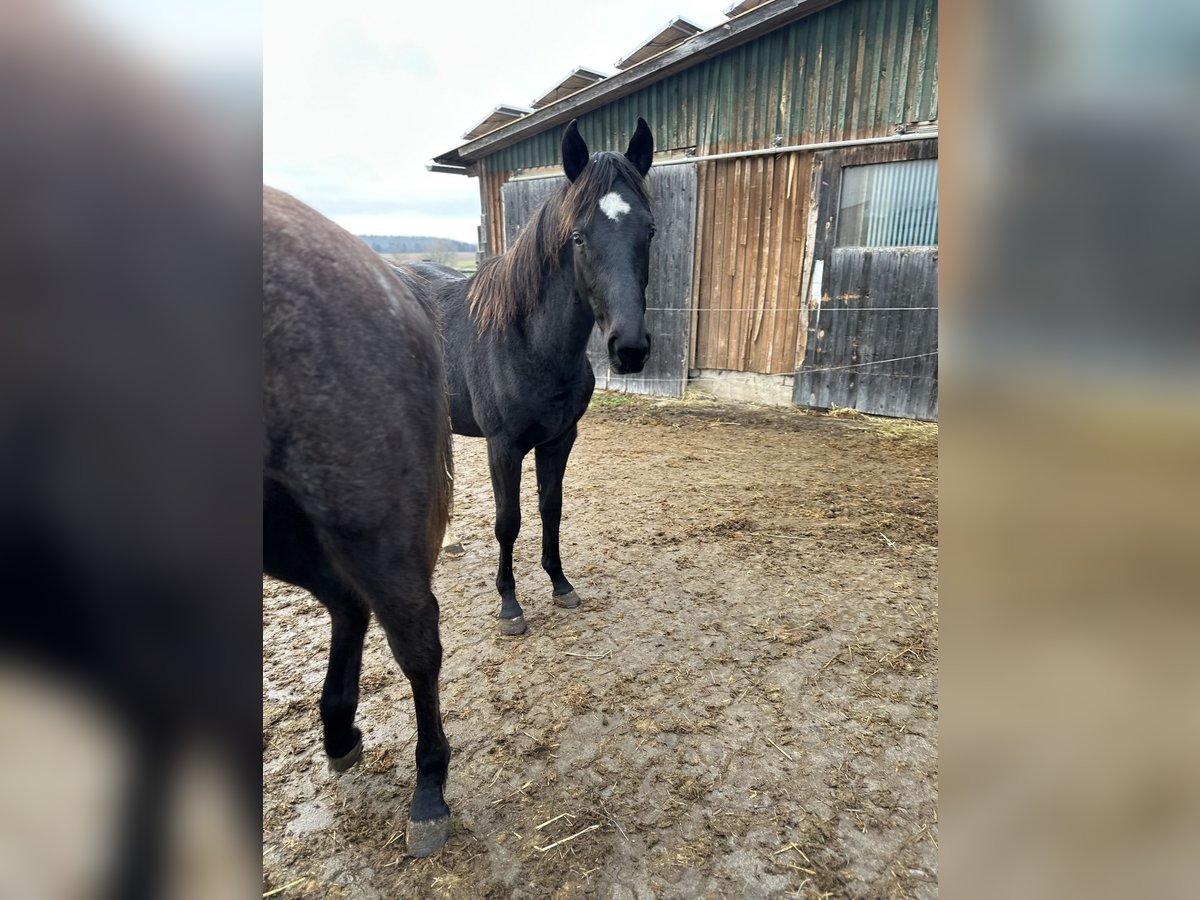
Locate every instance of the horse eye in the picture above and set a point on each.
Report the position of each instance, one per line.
(653, 231)
(577, 238)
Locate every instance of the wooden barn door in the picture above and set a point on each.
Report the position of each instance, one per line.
(753, 229)
(669, 293)
(872, 340)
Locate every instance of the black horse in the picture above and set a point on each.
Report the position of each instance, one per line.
(516, 336)
(356, 486)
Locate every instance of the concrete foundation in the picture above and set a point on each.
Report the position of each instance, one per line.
(750, 387)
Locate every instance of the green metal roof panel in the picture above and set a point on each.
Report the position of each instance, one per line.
(855, 69)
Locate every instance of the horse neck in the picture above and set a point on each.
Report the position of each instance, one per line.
(562, 321)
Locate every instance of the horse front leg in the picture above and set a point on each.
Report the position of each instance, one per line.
(505, 464)
(551, 462)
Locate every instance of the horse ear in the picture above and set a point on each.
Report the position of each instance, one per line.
(574, 151)
(641, 147)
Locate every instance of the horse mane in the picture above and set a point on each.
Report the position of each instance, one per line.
(508, 285)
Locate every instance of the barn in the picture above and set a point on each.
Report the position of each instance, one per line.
(795, 190)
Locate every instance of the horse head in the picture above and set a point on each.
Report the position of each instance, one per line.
(611, 225)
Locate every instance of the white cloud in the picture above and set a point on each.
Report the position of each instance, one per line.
(359, 96)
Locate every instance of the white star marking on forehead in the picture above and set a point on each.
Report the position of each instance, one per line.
(614, 206)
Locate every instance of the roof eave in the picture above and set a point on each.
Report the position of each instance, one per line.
(684, 29)
(693, 51)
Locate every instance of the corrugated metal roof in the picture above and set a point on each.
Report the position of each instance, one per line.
(579, 78)
(699, 48)
(498, 117)
(673, 33)
(861, 68)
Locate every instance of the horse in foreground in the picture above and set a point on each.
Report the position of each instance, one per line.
(357, 472)
(516, 336)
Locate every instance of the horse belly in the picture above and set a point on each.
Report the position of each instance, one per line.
(467, 427)
(462, 418)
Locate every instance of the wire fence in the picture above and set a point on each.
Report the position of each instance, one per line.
(875, 362)
(775, 309)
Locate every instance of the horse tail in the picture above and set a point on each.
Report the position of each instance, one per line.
(420, 287)
(443, 477)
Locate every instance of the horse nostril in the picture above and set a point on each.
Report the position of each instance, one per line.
(632, 359)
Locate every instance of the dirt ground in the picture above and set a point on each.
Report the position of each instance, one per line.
(745, 705)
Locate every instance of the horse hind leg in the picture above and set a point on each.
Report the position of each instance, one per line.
(293, 552)
(395, 579)
(418, 651)
(551, 465)
(412, 633)
(339, 697)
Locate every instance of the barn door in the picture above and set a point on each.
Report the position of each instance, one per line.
(669, 293)
(872, 340)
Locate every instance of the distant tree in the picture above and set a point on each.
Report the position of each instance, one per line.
(441, 251)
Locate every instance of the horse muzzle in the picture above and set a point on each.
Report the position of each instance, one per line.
(628, 357)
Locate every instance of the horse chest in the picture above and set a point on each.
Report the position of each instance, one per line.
(548, 419)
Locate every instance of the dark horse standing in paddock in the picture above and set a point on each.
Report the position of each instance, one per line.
(356, 487)
(516, 336)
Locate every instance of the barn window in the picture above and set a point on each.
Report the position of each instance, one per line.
(889, 205)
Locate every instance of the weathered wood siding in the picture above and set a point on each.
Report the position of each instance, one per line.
(520, 199)
(872, 339)
(669, 292)
(750, 250)
(491, 201)
(874, 346)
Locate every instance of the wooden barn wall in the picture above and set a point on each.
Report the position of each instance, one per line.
(750, 239)
(853, 70)
(872, 340)
(871, 353)
(491, 202)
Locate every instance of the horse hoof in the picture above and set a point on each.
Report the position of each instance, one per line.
(342, 763)
(428, 837)
(569, 600)
(454, 551)
(513, 626)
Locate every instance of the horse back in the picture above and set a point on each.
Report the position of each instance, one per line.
(444, 291)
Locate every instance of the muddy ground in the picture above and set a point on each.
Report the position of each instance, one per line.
(745, 705)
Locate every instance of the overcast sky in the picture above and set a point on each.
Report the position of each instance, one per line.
(359, 95)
